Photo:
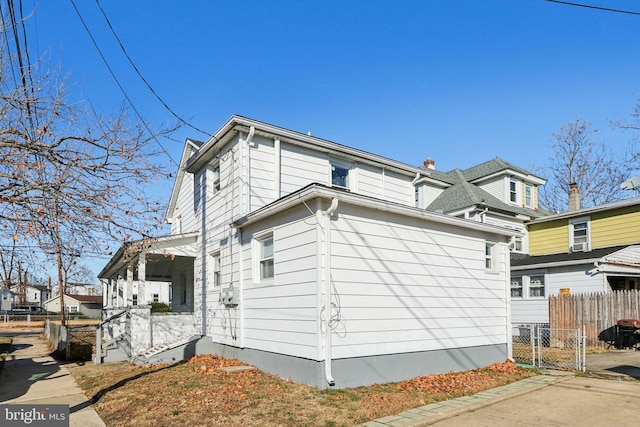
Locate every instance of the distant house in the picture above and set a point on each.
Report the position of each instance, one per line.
(89, 305)
(327, 264)
(34, 295)
(585, 250)
(6, 300)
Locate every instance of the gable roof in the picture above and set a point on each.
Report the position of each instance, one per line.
(586, 211)
(495, 166)
(463, 193)
(191, 146)
(589, 257)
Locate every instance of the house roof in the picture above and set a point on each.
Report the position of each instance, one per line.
(464, 194)
(173, 244)
(634, 201)
(315, 190)
(85, 298)
(494, 166)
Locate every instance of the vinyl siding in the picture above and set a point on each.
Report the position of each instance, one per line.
(281, 315)
(404, 286)
(497, 187)
(536, 310)
(261, 172)
(615, 229)
(549, 237)
(301, 167)
(184, 208)
(610, 228)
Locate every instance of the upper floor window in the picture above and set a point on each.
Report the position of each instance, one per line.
(579, 234)
(489, 256)
(528, 196)
(513, 191)
(213, 178)
(339, 175)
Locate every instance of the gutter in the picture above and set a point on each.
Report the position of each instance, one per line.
(327, 294)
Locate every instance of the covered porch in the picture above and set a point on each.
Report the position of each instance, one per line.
(152, 270)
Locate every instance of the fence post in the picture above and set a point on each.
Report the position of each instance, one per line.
(98, 357)
(584, 348)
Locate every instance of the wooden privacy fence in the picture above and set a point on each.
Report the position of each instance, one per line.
(598, 312)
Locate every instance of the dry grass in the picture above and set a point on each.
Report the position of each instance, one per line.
(198, 393)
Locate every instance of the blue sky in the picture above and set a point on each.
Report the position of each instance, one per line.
(458, 81)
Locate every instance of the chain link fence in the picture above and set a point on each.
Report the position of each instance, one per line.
(538, 345)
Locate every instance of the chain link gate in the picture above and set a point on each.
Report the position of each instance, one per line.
(538, 345)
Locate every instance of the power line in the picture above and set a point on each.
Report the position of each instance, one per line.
(113, 31)
(95, 44)
(606, 9)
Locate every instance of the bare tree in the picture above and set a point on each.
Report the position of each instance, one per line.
(579, 159)
(71, 179)
(633, 152)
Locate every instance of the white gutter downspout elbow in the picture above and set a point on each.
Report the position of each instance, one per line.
(327, 294)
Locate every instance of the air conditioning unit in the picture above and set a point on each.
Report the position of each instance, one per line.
(579, 247)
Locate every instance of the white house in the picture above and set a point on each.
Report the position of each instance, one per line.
(6, 299)
(34, 295)
(320, 262)
(89, 305)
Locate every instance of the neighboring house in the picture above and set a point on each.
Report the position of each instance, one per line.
(327, 264)
(6, 300)
(34, 295)
(78, 289)
(585, 250)
(88, 305)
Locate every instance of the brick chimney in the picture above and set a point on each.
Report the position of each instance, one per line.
(429, 163)
(574, 197)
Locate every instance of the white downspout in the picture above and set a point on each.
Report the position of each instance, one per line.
(327, 294)
(244, 173)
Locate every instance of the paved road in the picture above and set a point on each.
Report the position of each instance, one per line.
(32, 376)
(578, 401)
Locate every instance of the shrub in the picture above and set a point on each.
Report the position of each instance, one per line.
(160, 307)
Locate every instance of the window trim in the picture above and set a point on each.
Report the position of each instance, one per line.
(259, 240)
(490, 249)
(213, 178)
(216, 269)
(543, 287)
(528, 203)
(572, 234)
(333, 164)
(520, 288)
(513, 192)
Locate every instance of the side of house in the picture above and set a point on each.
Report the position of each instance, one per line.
(586, 250)
(330, 265)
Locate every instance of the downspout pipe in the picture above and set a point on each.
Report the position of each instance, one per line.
(327, 292)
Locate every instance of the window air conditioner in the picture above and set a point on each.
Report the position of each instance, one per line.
(579, 247)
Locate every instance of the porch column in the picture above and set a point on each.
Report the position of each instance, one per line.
(104, 294)
(128, 286)
(142, 271)
(119, 292)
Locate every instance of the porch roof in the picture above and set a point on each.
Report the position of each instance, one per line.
(183, 245)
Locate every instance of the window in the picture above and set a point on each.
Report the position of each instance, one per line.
(215, 268)
(528, 196)
(339, 176)
(536, 286)
(134, 299)
(579, 234)
(489, 255)
(517, 244)
(213, 178)
(155, 297)
(417, 197)
(516, 287)
(513, 191)
(266, 258)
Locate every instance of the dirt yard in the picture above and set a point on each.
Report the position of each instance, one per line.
(197, 392)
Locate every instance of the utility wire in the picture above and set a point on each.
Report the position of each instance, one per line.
(606, 9)
(113, 31)
(120, 85)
